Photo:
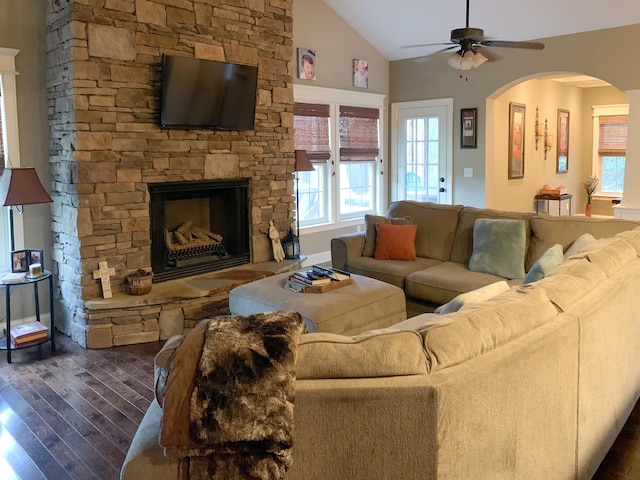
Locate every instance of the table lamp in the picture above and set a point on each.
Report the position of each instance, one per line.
(21, 186)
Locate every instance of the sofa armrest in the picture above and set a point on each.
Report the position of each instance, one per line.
(346, 247)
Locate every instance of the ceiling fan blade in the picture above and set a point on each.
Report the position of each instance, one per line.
(428, 45)
(508, 44)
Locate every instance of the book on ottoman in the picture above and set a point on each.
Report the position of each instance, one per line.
(28, 333)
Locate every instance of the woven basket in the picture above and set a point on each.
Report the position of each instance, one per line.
(140, 285)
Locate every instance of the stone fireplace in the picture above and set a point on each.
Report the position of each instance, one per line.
(198, 227)
(108, 151)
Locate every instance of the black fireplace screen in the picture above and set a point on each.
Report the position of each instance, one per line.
(198, 227)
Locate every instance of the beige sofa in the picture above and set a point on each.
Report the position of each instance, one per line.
(444, 246)
(535, 382)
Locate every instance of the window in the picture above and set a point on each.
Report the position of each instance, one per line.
(610, 148)
(9, 141)
(341, 134)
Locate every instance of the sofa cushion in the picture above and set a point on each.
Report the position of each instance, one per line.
(474, 296)
(463, 242)
(395, 242)
(578, 244)
(421, 323)
(389, 271)
(443, 282)
(436, 226)
(499, 247)
(550, 259)
(487, 326)
(610, 254)
(377, 353)
(633, 237)
(568, 282)
(370, 222)
(547, 230)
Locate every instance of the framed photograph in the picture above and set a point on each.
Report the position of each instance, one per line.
(35, 256)
(468, 128)
(562, 163)
(516, 140)
(20, 261)
(360, 73)
(306, 64)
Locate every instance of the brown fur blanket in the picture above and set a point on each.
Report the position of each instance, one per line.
(228, 405)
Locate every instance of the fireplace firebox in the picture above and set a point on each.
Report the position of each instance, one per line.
(198, 227)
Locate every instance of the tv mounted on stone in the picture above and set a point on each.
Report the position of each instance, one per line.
(206, 94)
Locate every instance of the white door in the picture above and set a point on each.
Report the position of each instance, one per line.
(422, 139)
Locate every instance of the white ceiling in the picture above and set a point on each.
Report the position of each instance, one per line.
(389, 24)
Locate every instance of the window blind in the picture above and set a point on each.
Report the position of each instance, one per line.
(358, 134)
(613, 135)
(311, 124)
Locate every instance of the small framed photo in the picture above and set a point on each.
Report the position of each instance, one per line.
(20, 261)
(35, 256)
(468, 128)
(360, 73)
(306, 64)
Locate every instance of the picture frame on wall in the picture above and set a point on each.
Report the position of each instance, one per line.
(360, 73)
(468, 127)
(562, 162)
(516, 140)
(306, 64)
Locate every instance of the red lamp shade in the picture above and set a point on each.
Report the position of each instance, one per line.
(21, 186)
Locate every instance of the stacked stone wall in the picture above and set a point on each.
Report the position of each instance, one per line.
(103, 81)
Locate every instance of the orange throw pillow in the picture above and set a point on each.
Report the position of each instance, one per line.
(395, 242)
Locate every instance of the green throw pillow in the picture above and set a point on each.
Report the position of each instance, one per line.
(549, 259)
(370, 234)
(498, 247)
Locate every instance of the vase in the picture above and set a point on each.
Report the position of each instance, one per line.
(587, 211)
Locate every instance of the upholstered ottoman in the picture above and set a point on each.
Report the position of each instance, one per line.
(364, 305)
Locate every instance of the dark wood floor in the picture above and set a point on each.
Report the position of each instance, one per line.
(73, 416)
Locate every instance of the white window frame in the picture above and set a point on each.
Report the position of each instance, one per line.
(334, 98)
(599, 111)
(11, 138)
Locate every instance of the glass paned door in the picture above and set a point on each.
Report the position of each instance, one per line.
(421, 160)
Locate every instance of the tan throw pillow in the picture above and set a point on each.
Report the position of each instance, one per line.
(370, 222)
(395, 242)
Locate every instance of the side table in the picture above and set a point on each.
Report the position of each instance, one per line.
(6, 345)
(543, 203)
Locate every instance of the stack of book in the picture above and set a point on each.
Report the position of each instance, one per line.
(316, 277)
(27, 333)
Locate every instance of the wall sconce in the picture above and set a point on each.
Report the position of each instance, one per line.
(538, 129)
(548, 139)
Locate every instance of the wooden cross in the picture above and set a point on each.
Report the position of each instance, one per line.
(103, 273)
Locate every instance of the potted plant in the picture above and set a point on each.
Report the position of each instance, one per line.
(590, 185)
(140, 282)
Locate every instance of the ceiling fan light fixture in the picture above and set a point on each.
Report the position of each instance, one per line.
(467, 60)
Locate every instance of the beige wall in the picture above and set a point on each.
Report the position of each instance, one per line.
(601, 54)
(22, 28)
(316, 26)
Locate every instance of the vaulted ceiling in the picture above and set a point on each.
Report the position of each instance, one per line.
(390, 25)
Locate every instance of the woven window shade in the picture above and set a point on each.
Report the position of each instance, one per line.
(311, 124)
(358, 134)
(613, 135)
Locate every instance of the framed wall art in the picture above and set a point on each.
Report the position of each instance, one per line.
(360, 73)
(516, 140)
(468, 127)
(306, 64)
(562, 163)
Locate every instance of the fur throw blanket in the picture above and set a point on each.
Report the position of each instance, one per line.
(228, 405)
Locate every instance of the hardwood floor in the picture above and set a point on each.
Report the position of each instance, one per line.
(72, 416)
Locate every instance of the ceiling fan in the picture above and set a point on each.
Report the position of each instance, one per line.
(470, 40)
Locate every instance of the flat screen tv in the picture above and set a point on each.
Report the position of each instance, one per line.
(205, 94)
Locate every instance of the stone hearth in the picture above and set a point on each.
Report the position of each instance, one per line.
(172, 307)
(103, 82)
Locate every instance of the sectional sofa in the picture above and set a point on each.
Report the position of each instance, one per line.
(444, 244)
(534, 382)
